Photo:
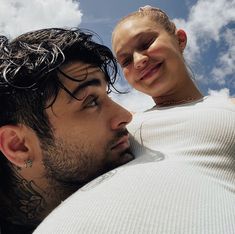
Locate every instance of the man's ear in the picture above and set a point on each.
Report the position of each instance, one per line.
(182, 39)
(14, 144)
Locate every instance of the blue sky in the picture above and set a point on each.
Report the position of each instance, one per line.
(210, 25)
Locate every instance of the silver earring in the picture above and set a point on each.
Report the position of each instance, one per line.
(28, 163)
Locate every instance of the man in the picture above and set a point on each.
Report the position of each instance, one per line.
(58, 127)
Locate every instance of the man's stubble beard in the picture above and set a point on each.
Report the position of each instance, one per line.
(69, 166)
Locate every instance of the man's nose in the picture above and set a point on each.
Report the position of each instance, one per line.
(140, 60)
(120, 117)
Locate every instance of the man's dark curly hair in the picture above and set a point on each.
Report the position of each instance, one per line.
(29, 66)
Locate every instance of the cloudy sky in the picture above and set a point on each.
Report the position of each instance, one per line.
(210, 25)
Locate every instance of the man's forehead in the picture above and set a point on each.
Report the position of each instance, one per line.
(78, 69)
(77, 77)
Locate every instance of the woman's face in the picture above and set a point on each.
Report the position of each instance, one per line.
(150, 57)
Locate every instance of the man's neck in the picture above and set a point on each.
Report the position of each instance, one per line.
(26, 197)
(9, 228)
(23, 203)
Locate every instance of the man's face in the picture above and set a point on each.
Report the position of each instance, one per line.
(90, 134)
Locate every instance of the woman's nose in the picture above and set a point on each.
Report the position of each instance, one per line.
(140, 60)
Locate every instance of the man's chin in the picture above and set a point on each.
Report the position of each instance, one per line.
(123, 158)
(127, 157)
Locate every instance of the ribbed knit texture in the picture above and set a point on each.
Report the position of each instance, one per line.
(181, 182)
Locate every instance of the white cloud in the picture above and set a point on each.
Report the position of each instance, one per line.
(206, 20)
(226, 61)
(134, 101)
(17, 16)
(219, 93)
(131, 99)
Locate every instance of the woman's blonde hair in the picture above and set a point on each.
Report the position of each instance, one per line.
(156, 14)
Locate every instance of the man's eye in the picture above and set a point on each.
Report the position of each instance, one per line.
(91, 102)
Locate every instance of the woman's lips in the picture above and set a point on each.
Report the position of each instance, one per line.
(151, 71)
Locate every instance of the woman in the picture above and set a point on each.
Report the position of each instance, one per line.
(150, 49)
(196, 134)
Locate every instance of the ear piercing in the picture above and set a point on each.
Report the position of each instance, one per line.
(28, 163)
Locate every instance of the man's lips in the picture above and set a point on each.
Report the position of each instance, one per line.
(150, 71)
(122, 143)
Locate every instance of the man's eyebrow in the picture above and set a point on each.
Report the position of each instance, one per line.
(93, 82)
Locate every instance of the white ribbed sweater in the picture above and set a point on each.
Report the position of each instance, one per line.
(182, 181)
(201, 135)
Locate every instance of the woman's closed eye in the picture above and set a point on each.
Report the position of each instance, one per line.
(147, 44)
(142, 46)
(125, 62)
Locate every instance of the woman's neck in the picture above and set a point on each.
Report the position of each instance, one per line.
(186, 94)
